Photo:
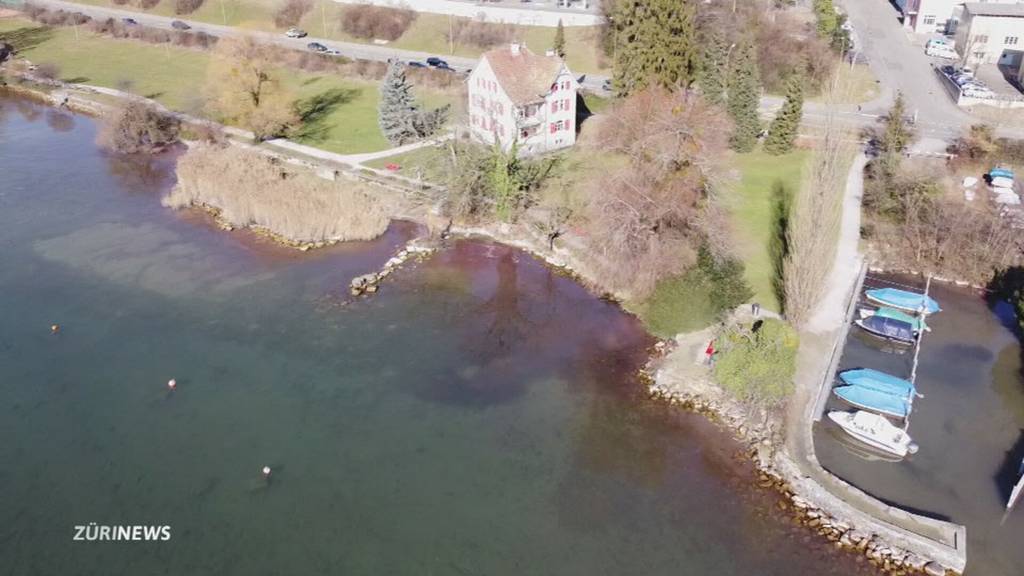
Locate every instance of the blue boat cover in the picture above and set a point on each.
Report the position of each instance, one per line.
(873, 400)
(904, 300)
(879, 381)
(1001, 172)
(888, 328)
(916, 322)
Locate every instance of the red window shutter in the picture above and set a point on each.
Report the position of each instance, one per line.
(554, 105)
(553, 129)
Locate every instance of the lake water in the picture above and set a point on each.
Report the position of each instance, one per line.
(479, 415)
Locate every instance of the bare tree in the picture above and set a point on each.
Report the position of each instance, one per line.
(243, 88)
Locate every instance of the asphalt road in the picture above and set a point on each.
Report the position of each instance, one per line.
(351, 50)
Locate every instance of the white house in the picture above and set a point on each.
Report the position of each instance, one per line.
(991, 33)
(931, 16)
(522, 97)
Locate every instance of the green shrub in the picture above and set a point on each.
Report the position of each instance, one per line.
(757, 363)
(696, 298)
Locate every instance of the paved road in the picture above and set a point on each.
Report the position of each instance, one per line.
(351, 50)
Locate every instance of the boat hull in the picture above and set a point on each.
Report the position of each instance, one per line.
(903, 300)
(883, 328)
(873, 401)
(878, 381)
(875, 432)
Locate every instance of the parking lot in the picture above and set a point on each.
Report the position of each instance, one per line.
(969, 425)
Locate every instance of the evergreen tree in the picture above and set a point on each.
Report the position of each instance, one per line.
(744, 94)
(655, 43)
(400, 119)
(560, 40)
(712, 78)
(896, 136)
(398, 111)
(828, 20)
(784, 127)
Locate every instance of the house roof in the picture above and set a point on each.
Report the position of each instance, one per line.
(526, 77)
(988, 9)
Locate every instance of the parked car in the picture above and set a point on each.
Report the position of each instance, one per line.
(942, 51)
(317, 47)
(129, 21)
(436, 62)
(179, 25)
(295, 33)
(444, 66)
(332, 52)
(415, 64)
(948, 70)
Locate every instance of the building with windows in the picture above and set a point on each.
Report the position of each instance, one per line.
(991, 34)
(937, 16)
(516, 96)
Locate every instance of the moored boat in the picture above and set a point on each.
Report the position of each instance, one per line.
(875, 431)
(873, 400)
(888, 328)
(903, 300)
(916, 322)
(878, 381)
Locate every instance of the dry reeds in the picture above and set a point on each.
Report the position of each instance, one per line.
(248, 188)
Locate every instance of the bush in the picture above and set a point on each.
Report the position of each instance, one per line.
(370, 22)
(138, 128)
(48, 71)
(120, 2)
(481, 34)
(487, 182)
(186, 6)
(291, 13)
(693, 300)
(756, 364)
(148, 4)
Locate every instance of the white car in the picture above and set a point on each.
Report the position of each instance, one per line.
(941, 48)
(295, 33)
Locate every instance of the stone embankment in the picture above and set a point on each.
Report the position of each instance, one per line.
(418, 249)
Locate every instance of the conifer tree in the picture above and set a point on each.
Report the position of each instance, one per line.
(712, 78)
(398, 110)
(399, 117)
(744, 93)
(655, 43)
(559, 45)
(784, 127)
(896, 137)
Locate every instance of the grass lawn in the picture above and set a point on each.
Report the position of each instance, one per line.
(426, 163)
(855, 86)
(752, 202)
(175, 77)
(427, 33)
(679, 304)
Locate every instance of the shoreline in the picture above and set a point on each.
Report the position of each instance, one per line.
(760, 436)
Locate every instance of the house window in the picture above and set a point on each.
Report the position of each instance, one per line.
(1010, 40)
(554, 87)
(553, 129)
(565, 104)
(554, 105)
(981, 38)
(928, 20)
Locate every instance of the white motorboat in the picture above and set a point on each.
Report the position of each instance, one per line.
(875, 430)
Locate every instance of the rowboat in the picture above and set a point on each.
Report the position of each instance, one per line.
(903, 300)
(916, 322)
(873, 400)
(888, 328)
(875, 431)
(878, 381)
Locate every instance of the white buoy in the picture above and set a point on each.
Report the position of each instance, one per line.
(266, 471)
(172, 383)
(54, 328)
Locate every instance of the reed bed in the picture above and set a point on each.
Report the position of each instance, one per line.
(249, 189)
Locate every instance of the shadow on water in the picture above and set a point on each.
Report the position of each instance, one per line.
(60, 121)
(1010, 471)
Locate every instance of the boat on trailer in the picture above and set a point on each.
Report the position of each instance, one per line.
(903, 300)
(878, 381)
(917, 322)
(879, 402)
(888, 328)
(875, 431)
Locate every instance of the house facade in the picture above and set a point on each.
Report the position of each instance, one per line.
(936, 16)
(991, 34)
(518, 97)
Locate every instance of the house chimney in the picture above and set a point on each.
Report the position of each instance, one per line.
(514, 48)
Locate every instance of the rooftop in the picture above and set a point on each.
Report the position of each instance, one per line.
(526, 77)
(988, 9)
